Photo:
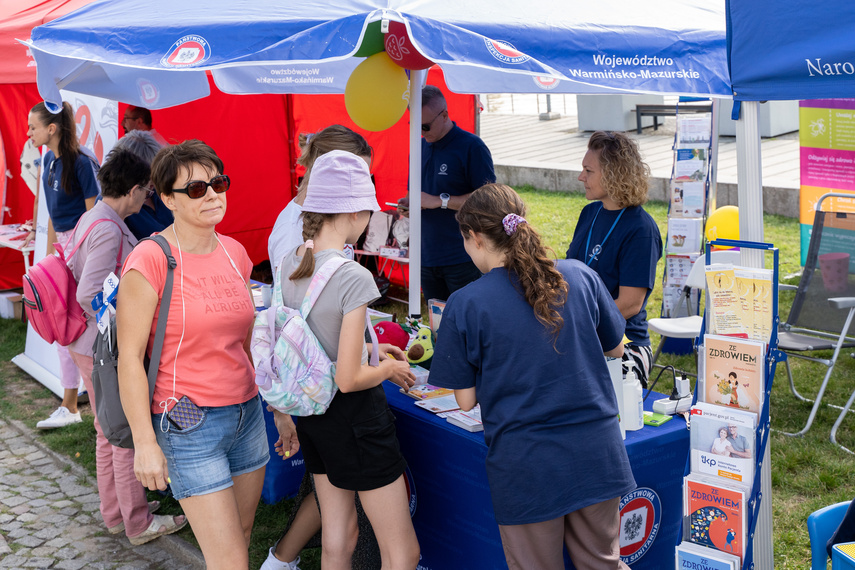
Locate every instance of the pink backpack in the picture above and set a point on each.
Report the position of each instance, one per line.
(50, 294)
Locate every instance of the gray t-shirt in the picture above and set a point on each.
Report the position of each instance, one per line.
(349, 288)
(739, 443)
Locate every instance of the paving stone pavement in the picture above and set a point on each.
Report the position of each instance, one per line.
(49, 516)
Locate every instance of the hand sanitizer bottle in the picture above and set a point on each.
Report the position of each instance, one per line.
(633, 414)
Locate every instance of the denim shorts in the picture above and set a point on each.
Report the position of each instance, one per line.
(228, 441)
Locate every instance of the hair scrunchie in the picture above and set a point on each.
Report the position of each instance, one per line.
(511, 222)
(309, 244)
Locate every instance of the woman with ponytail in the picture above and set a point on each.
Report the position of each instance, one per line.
(70, 189)
(526, 341)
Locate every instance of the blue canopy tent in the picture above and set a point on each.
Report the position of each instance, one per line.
(131, 51)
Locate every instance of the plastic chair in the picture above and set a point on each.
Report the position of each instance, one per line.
(824, 305)
(821, 525)
(690, 326)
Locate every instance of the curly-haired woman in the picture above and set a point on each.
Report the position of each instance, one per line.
(619, 240)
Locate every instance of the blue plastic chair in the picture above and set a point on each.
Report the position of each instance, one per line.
(821, 525)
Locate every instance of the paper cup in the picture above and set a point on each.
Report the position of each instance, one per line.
(835, 271)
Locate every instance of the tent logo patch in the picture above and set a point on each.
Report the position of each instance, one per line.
(546, 83)
(640, 513)
(149, 93)
(505, 52)
(187, 52)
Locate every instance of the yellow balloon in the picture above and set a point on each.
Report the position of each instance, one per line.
(377, 93)
(723, 224)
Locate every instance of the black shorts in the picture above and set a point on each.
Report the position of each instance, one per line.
(354, 443)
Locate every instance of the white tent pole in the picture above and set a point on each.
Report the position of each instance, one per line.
(750, 196)
(417, 80)
(750, 181)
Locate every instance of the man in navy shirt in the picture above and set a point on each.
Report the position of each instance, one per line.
(455, 163)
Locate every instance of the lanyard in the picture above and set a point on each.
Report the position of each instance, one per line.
(599, 248)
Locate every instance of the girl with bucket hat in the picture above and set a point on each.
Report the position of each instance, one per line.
(352, 447)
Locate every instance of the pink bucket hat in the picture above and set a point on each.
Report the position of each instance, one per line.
(340, 183)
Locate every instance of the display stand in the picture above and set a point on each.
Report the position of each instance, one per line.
(772, 357)
(692, 175)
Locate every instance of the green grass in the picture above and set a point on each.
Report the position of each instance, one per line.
(807, 472)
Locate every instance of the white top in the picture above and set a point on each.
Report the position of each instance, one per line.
(286, 235)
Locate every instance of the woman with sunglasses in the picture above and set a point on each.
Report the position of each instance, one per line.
(125, 181)
(70, 189)
(203, 432)
(619, 240)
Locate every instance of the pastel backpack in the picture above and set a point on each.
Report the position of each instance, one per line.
(50, 294)
(293, 372)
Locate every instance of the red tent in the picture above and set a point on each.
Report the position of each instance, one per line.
(255, 135)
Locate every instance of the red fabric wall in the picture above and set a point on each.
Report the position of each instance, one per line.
(16, 100)
(255, 135)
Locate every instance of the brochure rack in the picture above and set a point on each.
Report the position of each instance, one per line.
(773, 356)
(691, 191)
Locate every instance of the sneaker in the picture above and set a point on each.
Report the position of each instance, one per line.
(60, 418)
(273, 563)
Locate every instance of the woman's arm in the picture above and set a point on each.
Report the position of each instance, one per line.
(630, 300)
(102, 250)
(466, 398)
(90, 202)
(136, 304)
(616, 352)
(351, 375)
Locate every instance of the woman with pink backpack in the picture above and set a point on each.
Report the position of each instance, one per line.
(70, 189)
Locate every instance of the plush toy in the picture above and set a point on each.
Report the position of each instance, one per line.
(421, 348)
(392, 333)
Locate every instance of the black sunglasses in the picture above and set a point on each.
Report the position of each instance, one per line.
(426, 126)
(198, 188)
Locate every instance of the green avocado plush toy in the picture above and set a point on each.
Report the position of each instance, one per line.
(421, 348)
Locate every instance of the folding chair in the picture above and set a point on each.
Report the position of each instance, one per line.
(690, 326)
(824, 304)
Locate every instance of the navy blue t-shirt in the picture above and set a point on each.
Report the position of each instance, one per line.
(550, 418)
(457, 164)
(627, 258)
(65, 210)
(148, 221)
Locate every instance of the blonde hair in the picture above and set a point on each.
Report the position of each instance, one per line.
(625, 177)
(543, 286)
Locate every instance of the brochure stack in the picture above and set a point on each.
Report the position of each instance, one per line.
(729, 422)
(689, 191)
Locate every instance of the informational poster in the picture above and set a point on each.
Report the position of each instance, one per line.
(827, 138)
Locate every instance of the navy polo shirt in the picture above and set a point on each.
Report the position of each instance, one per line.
(547, 403)
(457, 164)
(628, 257)
(65, 210)
(148, 221)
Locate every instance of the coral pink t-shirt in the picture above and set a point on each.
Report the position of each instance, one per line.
(213, 368)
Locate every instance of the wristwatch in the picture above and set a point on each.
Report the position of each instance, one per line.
(445, 198)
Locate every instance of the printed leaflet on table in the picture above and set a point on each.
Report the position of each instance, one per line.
(722, 442)
(470, 421)
(426, 391)
(439, 405)
(717, 513)
(733, 372)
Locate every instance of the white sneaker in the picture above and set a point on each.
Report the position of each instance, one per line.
(59, 418)
(273, 563)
